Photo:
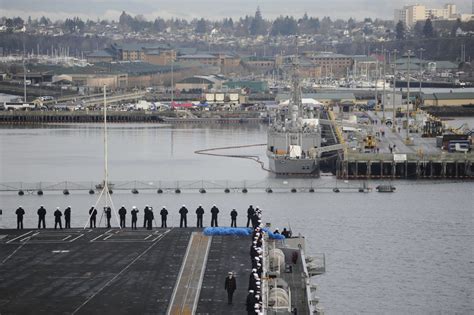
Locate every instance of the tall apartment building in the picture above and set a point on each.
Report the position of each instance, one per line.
(411, 14)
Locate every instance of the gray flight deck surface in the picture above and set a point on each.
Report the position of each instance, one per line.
(112, 271)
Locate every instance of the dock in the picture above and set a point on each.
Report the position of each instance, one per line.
(18, 117)
(400, 156)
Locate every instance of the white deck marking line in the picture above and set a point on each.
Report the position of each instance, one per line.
(16, 250)
(29, 237)
(201, 277)
(116, 276)
(175, 289)
(125, 241)
(98, 237)
(107, 237)
(77, 237)
(13, 239)
(191, 273)
(67, 237)
(148, 236)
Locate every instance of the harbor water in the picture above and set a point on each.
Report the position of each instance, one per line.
(407, 252)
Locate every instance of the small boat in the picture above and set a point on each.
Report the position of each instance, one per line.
(385, 188)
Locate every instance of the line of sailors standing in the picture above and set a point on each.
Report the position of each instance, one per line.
(254, 297)
(148, 217)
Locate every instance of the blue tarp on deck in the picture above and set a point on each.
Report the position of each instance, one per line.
(210, 231)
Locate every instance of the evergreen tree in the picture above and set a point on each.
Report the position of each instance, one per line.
(228, 24)
(418, 28)
(125, 19)
(284, 26)
(159, 25)
(428, 29)
(326, 24)
(257, 26)
(18, 22)
(351, 24)
(201, 26)
(45, 21)
(455, 27)
(400, 30)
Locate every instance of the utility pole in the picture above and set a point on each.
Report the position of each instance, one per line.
(172, 80)
(421, 50)
(394, 87)
(376, 77)
(383, 92)
(24, 81)
(407, 140)
(24, 73)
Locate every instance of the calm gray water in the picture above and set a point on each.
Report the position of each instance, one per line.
(407, 252)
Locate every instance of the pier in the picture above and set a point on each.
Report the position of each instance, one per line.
(39, 117)
(399, 154)
(50, 117)
(384, 166)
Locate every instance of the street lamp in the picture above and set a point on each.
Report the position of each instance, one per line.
(421, 50)
(394, 87)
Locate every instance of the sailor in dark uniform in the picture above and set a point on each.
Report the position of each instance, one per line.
(57, 218)
(164, 217)
(41, 217)
(230, 286)
(255, 217)
(122, 212)
(250, 303)
(92, 217)
(19, 218)
(134, 217)
(108, 216)
(250, 213)
(183, 217)
(199, 214)
(214, 212)
(285, 233)
(233, 218)
(67, 218)
(145, 211)
(150, 218)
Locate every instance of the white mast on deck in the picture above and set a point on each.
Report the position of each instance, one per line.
(105, 189)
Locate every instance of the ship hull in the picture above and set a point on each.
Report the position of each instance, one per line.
(293, 167)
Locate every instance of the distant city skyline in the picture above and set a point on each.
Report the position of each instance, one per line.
(212, 9)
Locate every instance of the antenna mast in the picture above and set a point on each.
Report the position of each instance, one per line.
(105, 189)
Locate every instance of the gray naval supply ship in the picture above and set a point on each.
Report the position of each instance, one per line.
(295, 135)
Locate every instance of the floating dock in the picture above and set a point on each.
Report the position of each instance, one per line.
(284, 185)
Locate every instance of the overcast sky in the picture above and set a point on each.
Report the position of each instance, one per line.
(212, 9)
